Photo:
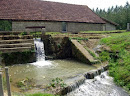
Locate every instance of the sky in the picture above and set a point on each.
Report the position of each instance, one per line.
(93, 4)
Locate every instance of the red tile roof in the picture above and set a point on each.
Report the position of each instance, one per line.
(45, 10)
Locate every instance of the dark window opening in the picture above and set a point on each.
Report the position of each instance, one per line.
(64, 27)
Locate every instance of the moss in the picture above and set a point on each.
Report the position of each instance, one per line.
(18, 57)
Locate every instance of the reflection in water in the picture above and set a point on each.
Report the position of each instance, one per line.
(99, 86)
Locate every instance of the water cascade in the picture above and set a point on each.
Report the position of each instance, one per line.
(101, 85)
(39, 46)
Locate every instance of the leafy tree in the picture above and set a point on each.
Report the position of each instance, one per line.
(118, 14)
(5, 25)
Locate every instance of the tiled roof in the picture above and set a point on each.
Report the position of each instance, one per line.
(45, 10)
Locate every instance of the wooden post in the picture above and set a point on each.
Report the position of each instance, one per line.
(7, 81)
(128, 26)
(1, 85)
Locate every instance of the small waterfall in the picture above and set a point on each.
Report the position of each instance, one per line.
(40, 55)
(39, 46)
(101, 85)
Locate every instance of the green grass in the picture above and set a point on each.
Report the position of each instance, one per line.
(103, 32)
(79, 38)
(91, 53)
(119, 59)
(53, 33)
(40, 94)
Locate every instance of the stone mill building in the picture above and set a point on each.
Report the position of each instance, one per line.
(56, 17)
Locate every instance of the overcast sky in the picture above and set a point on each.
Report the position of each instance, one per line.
(95, 3)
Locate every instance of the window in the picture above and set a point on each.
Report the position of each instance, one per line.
(64, 27)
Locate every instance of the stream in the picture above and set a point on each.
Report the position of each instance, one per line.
(101, 85)
(43, 71)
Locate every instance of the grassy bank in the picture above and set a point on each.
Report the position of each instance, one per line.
(119, 58)
(40, 94)
(104, 32)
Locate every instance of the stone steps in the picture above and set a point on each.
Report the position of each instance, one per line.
(11, 37)
(11, 41)
(17, 41)
(16, 45)
(10, 32)
(15, 49)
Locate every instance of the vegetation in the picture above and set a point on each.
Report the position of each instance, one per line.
(79, 38)
(118, 14)
(25, 84)
(119, 58)
(23, 33)
(5, 25)
(39, 94)
(18, 57)
(91, 53)
(57, 82)
(104, 32)
(53, 33)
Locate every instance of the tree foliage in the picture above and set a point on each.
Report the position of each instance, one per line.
(5, 25)
(118, 14)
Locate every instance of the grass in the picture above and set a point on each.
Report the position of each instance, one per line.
(91, 53)
(119, 59)
(40, 94)
(103, 32)
(53, 33)
(79, 38)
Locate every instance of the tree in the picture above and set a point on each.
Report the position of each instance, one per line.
(5, 25)
(118, 14)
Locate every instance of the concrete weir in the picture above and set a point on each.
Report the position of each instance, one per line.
(81, 79)
(79, 52)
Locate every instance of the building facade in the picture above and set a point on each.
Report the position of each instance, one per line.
(56, 17)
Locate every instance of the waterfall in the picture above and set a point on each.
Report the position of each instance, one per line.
(39, 46)
(40, 55)
(101, 85)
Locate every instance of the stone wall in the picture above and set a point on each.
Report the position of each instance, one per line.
(77, 27)
(50, 26)
(110, 27)
(18, 57)
(57, 47)
(55, 26)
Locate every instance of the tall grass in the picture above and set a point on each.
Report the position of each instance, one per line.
(119, 68)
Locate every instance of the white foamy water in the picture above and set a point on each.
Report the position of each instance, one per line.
(40, 55)
(99, 86)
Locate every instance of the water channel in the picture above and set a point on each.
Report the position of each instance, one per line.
(43, 72)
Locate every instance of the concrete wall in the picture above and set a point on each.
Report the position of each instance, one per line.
(77, 27)
(55, 26)
(109, 27)
(50, 26)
